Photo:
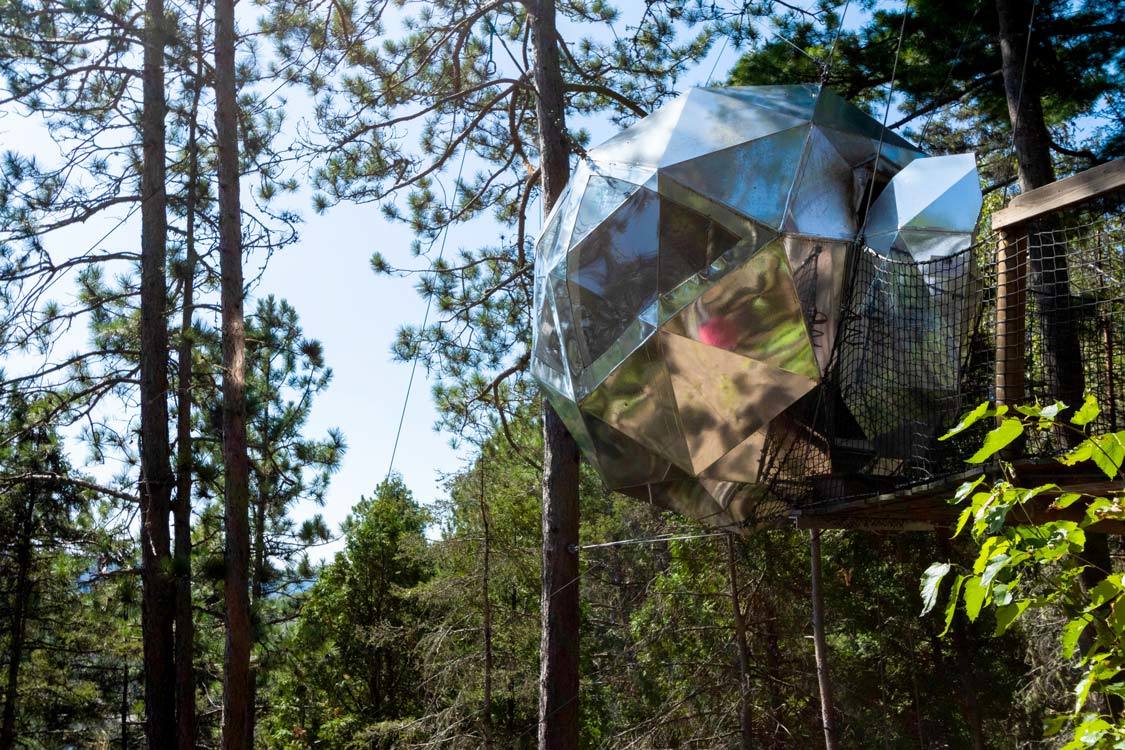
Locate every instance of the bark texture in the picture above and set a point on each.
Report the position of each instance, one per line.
(181, 513)
(745, 705)
(156, 480)
(820, 646)
(237, 705)
(17, 627)
(558, 651)
(1050, 274)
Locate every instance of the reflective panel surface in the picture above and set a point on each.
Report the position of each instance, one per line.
(688, 288)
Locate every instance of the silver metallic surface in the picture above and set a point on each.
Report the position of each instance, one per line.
(688, 285)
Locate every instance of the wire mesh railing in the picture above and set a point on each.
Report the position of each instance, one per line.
(1034, 313)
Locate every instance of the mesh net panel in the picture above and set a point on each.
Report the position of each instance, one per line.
(916, 347)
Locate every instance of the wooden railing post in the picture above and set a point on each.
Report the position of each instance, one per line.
(1011, 315)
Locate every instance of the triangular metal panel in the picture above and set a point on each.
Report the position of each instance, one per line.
(754, 311)
(820, 204)
(794, 101)
(612, 273)
(752, 178)
(637, 400)
(722, 398)
(602, 196)
(712, 121)
(743, 462)
(833, 111)
(624, 462)
(645, 141)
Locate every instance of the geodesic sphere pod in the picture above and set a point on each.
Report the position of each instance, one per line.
(688, 287)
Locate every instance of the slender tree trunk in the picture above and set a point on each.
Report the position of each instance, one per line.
(486, 603)
(18, 625)
(158, 587)
(124, 708)
(181, 513)
(746, 709)
(820, 646)
(236, 667)
(559, 643)
(1050, 274)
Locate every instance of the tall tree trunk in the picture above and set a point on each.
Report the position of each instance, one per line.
(18, 625)
(236, 666)
(559, 642)
(181, 513)
(745, 712)
(158, 587)
(1050, 274)
(486, 604)
(820, 646)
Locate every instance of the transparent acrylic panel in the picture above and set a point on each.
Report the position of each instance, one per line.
(821, 203)
(722, 398)
(550, 378)
(754, 311)
(637, 400)
(689, 242)
(753, 178)
(713, 120)
(612, 274)
(602, 196)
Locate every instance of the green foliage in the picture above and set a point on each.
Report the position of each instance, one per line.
(1026, 563)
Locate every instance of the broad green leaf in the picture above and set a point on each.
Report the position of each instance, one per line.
(951, 604)
(1116, 619)
(1088, 412)
(1106, 589)
(995, 565)
(1082, 691)
(967, 421)
(974, 597)
(997, 439)
(1066, 500)
(1109, 452)
(1070, 634)
(931, 582)
(965, 488)
(966, 514)
(1008, 614)
(1078, 454)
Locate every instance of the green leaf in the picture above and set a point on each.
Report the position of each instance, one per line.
(1008, 614)
(951, 604)
(965, 488)
(1106, 589)
(974, 597)
(1079, 453)
(1066, 500)
(931, 582)
(1070, 634)
(1087, 413)
(967, 421)
(966, 514)
(1082, 691)
(997, 439)
(1109, 452)
(995, 565)
(1116, 618)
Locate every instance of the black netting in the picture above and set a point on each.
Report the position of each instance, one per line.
(916, 347)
